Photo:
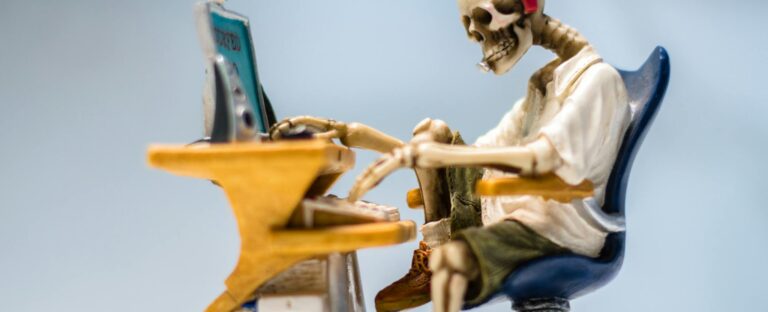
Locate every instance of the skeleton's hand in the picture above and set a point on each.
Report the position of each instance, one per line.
(402, 157)
(453, 266)
(320, 127)
(351, 135)
(406, 156)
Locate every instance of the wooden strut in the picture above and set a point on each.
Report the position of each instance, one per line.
(264, 184)
(548, 187)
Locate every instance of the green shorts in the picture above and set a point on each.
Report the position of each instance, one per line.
(500, 248)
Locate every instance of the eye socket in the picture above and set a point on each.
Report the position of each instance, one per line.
(508, 6)
(466, 21)
(482, 16)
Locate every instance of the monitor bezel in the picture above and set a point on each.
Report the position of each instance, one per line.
(206, 33)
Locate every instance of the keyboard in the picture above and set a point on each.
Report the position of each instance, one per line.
(326, 211)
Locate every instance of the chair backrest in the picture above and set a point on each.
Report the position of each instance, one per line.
(646, 88)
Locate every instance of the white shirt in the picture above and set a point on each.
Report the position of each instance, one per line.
(584, 114)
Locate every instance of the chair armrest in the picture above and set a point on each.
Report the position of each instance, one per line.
(548, 186)
(415, 199)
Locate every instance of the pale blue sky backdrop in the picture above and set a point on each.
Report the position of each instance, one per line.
(85, 86)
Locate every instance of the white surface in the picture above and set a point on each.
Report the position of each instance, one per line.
(294, 303)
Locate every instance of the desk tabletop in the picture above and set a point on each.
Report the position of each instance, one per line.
(264, 183)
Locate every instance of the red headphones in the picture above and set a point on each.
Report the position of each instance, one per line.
(531, 6)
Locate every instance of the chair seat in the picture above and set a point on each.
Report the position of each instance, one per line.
(565, 276)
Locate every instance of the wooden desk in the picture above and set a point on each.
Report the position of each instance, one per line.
(264, 184)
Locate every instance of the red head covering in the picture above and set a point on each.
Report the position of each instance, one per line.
(531, 6)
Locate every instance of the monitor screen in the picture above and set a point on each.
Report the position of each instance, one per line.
(227, 33)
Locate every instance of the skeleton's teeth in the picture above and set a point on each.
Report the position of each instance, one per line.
(484, 66)
(499, 51)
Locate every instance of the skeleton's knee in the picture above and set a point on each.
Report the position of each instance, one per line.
(433, 130)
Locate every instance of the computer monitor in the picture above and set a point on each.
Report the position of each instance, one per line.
(228, 48)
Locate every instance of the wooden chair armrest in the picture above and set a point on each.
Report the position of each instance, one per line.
(549, 186)
(415, 199)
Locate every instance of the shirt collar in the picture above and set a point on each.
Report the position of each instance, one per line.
(567, 73)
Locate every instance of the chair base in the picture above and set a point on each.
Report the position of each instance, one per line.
(542, 305)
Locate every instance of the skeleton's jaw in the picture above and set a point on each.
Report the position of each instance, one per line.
(496, 53)
(504, 54)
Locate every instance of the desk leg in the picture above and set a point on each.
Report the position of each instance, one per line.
(345, 289)
(338, 283)
(353, 270)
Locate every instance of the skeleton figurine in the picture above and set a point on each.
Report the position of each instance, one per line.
(570, 124)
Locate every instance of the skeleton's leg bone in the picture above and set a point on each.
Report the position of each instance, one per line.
(436, 260)
(460, 258)
(433, 182)
(439, 278)
(453, 266)
(457, 289)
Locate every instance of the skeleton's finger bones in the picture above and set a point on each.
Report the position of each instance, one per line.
(318, 127)
(374, 174)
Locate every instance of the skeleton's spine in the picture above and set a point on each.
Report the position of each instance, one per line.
(560, 38)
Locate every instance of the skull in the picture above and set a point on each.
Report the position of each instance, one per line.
(501, 27)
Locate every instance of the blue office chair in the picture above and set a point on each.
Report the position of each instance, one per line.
(547, 284)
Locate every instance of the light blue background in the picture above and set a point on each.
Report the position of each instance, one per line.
(85, 86)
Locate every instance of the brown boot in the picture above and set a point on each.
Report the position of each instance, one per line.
(412, 290)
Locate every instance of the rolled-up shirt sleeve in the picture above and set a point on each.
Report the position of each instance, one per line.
(584, 124)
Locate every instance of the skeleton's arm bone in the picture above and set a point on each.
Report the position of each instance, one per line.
(352, 135)
(362, 136)
(538, 157)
